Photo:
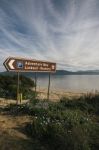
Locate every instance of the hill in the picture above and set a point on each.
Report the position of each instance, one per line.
(58, 72)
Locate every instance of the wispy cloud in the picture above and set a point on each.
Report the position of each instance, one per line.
(65, 31)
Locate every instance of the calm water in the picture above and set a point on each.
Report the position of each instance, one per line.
(80, 83)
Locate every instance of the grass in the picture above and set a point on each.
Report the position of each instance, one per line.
(65, 125)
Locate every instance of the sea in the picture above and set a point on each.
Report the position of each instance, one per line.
(72, 83)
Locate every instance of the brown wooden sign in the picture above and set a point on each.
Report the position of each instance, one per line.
(28, 65)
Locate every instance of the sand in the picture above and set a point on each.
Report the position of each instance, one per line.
(56, 95)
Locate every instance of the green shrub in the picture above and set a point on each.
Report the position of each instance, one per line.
(8, 87)
(65, 125)
(62, 130)
(88, 103)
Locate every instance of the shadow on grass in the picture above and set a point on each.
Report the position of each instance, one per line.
(8, 142)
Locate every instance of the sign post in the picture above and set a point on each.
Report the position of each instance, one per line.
(18, 88)
(35, 83)
(48, 93)
(28, 65)
(14, 64)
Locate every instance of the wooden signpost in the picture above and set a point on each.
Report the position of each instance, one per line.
(28, 65)
(14, 64)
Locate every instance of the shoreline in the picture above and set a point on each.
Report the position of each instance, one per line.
(56, 95)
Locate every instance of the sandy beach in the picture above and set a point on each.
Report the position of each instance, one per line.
(56, 95)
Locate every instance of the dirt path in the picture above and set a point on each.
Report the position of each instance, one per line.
(11, 135)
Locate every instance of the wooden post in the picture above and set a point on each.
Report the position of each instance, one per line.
(35, 83)
(48, 93)
(20, 98)
(18, 87)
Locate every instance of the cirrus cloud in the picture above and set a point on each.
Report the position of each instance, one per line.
(65, 31)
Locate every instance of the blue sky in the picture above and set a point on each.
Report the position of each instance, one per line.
(63, 31)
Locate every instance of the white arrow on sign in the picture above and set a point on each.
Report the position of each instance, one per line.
(11, 64)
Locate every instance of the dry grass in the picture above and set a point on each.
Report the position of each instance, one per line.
(5, 102)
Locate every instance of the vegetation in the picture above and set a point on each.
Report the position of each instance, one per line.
(8, 86)
(65, 125)
(71, 124)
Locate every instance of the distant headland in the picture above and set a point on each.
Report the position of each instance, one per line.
(58, 72)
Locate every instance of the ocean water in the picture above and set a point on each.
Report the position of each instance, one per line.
(73, 83)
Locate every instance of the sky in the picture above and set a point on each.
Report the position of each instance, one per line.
(61, 31)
